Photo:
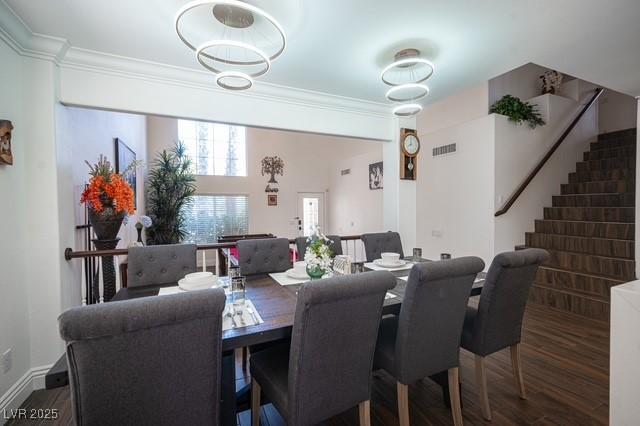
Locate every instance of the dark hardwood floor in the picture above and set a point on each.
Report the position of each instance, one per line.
(566, 370)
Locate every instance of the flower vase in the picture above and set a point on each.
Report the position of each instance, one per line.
(315, 272)
(106, 225)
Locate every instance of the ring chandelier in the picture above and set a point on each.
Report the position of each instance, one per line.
(239, 25)
(406, 76)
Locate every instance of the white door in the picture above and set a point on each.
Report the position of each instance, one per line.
(310, 212)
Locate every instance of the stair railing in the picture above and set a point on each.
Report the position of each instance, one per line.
(505, 208)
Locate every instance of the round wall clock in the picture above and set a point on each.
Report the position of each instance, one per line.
(411, 145)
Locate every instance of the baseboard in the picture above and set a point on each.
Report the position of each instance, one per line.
(20, 390)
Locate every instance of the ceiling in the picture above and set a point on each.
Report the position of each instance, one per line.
(340, 46)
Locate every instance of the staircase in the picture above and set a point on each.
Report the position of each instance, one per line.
(589, 230)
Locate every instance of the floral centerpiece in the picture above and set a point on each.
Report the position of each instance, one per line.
(319, 255)
(109, 198)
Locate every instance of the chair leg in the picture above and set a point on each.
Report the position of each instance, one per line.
(364, 411)
(245, 355)
(255, 403)
(517, 369)
(481, 382)
(403, 404)
(454, 394)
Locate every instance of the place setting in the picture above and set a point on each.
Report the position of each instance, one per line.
(389, 261)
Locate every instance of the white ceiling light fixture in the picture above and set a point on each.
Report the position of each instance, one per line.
(407, 110)
(407, 92)
(406, 76)
(232, 37)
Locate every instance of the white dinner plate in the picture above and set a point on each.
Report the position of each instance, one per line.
(398, 264)
(291, 273)
(200, 285)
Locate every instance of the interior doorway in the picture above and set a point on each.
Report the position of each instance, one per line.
(310, 212)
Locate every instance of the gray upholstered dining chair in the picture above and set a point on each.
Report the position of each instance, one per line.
(327, 367)
(161, 264)
(336, 246)
(153, 360)
(425, 338)
(381, 242)
(497, 321)
(263, 256)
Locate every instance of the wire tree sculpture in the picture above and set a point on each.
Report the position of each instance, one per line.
(273, 166)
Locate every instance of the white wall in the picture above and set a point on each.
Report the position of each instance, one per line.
(518, 149)
(309, 161)
(455, 191)
(522, 82)
(461, 107)
(617, 111)
(14, 284)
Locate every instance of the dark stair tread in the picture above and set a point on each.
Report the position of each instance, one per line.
(612, 143)
(567, 301)
(591, 214)
(600, 199)
(582, 274)
(617, 186)
(590, 296)
(605, 266)
(601, 175)
(630, 132)
(603, 247)
(607, 163)
(627, 151)
(586, 228)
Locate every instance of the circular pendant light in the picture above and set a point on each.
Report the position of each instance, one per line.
(201, 55)
(233, 14)
(407, 110)
(407, 92)
(234, 80)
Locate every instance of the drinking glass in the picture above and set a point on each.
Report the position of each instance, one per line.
(417, 254)
(234, 271)
(238, 292)
(357, 267)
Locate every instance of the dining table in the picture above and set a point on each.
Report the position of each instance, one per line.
(276, 305)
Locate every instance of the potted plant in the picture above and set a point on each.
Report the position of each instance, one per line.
(318, 255)
(170, 186)
(109, 198)
(518, 111)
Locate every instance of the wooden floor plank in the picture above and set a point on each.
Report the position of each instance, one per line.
(565, 362)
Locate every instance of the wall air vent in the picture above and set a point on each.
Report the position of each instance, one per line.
(444, 149)
(345, 172)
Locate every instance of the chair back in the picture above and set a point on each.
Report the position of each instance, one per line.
(161, 264)
(153, 360)
(498, 323)
(432, 315)
(332, 344)
(336, 245)
(381, 242)
(263, 256)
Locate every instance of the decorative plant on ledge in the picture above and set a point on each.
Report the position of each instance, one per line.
(170, 186)
(272, 166)
(518, 111)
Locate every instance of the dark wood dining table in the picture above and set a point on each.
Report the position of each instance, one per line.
(276, 305)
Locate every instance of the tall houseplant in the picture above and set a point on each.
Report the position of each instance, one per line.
(170, 186)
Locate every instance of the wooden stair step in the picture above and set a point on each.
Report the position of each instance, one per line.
(600, 175)
(591, 214)
(598, 187)
(625, 199)
(618, 134)
(613, 143)
(610, 267)
(628, 151)
(607, 163)
(621, 231)
(569, 301)
(596, 246)
(586, 284)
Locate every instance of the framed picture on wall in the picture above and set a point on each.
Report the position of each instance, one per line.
(125, 156)
(376, 176)
(272, 200)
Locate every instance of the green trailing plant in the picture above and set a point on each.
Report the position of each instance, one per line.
(518, 111)
(170, 186)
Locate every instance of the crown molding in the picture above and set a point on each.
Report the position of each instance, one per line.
(15, 32)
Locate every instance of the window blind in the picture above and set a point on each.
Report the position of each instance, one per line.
(209, 216)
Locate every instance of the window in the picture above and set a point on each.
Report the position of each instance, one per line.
(215, 149)
(209, 216)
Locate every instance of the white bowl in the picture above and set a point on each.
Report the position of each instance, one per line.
(300, 267)
(197, 275)
(199, 284)
(390, 257)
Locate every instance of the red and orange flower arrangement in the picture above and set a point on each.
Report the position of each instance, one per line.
(109, 198)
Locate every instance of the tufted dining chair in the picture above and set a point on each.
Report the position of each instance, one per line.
(153, 360)
(336, 245)
(381, 242)
(161, 264)
(497, 321)
(263, 256)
